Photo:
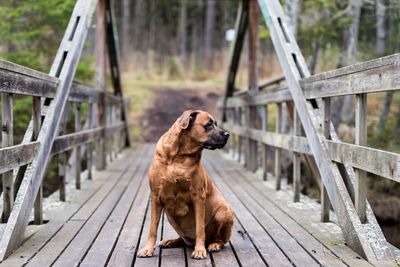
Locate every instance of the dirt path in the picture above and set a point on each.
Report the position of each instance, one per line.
(168, 105)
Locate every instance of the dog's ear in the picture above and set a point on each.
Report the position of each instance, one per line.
(187, 118)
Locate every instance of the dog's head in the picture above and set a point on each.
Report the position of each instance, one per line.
(202, 128)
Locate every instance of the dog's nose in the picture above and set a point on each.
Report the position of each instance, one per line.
(226, 135)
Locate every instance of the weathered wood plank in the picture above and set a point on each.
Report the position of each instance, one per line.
(361, 139)
(7, 139)
(296, 159)
(277, 161)
(378, 75)
(244, 247)
(379, 162)
(37, 123)
(15, 156)
(316, 249)
(89, 145)
(20, 80)
(77, 248)
(155, 260)
(307, 217)
(126, 246)
(77, 149)
(268, 249)
(64, 211)
(171, 257)
(283, 240)
(103, 245)
(325, 203)
(301, 219)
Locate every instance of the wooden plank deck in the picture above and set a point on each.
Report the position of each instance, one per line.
(105, 223)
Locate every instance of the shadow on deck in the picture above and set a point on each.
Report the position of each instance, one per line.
(105, 222)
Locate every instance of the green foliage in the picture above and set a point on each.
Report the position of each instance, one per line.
(322, 21)
(85, 71)
(31, 30)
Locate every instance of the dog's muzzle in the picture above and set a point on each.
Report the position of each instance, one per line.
(218, 141)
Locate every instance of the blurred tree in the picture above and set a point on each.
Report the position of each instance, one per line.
(209, 35)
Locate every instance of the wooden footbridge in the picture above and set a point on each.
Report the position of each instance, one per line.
(99, 216)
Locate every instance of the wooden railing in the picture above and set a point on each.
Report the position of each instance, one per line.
(341, 166)
(54, 97)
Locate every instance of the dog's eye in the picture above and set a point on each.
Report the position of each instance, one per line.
(209, 125)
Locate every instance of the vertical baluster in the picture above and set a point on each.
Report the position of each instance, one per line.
(240, 141)
(37, 122)
(264, 125)
(101, 81)
(7, 140)
(78, 148)
(89, 145)
(277, 163)
(253, 160)
(361, 139)
(246, 149)
(296, 159)
(325, 203)
(62, 158)
(62, 168)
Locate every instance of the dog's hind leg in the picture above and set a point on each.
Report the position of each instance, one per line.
(172, 243)
(221, 230)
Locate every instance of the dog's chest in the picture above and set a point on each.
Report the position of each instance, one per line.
(176, 198)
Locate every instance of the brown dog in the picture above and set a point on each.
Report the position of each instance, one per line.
(180, 186)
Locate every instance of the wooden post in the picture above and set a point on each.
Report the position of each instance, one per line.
(242, 21)
(253, 46)
(240, 138)
(7, 140)
(37, 122)
(253, 159)
(113, 54)
(361, 139)
(264, 125)
(296, 159)
(247, 140)
(101, 80)
(78, 148)
(89, 149)
(62, 162)
(277, 163)
(325, 203)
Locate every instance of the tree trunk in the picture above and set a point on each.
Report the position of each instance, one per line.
(385, 111)
(292, 12)
(209, 35)
(314, 57)
(349, 56)
(183, 33)
(380, 27)
(253, 46)
(125, 40)
(350, 35)
(137, 23)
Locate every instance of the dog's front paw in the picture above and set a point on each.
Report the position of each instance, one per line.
(146, 252)
(199, 253)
